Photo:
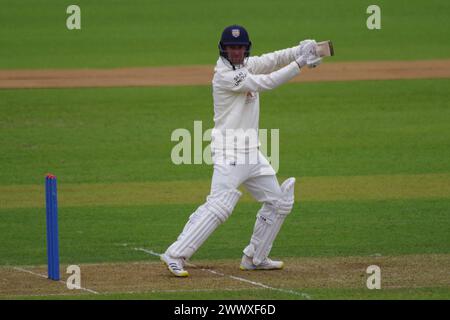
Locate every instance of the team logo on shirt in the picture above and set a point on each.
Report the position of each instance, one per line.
(239, 78)
(235, 33)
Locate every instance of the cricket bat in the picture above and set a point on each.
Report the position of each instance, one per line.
(325, 48)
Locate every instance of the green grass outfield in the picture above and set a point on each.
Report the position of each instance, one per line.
(124, 33)
(325, 228)
(330, 131)
(123, 134)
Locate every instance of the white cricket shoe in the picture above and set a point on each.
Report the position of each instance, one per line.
(267, 264)
(175, 265)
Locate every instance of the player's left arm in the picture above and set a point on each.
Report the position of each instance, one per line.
(273, 61)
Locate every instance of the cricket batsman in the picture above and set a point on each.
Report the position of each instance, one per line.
(238, 79)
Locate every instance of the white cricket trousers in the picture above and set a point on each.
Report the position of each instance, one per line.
(259, 179)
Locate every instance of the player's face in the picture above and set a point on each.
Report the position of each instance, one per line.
(236, 53)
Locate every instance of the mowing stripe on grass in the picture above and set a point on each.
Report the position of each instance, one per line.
(21, 296)
(374, 187)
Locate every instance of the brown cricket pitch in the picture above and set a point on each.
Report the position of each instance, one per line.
(300, 274)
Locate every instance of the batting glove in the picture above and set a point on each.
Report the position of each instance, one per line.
(305, 47)
(313, 61)
(301, 61)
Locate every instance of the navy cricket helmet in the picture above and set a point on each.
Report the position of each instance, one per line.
(234, 35)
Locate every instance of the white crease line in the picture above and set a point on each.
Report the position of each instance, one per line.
(302, 294)
(31, 272)
(153, 253)
(45, 277)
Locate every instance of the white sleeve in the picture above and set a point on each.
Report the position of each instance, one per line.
(270, 62)
(243, 81)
